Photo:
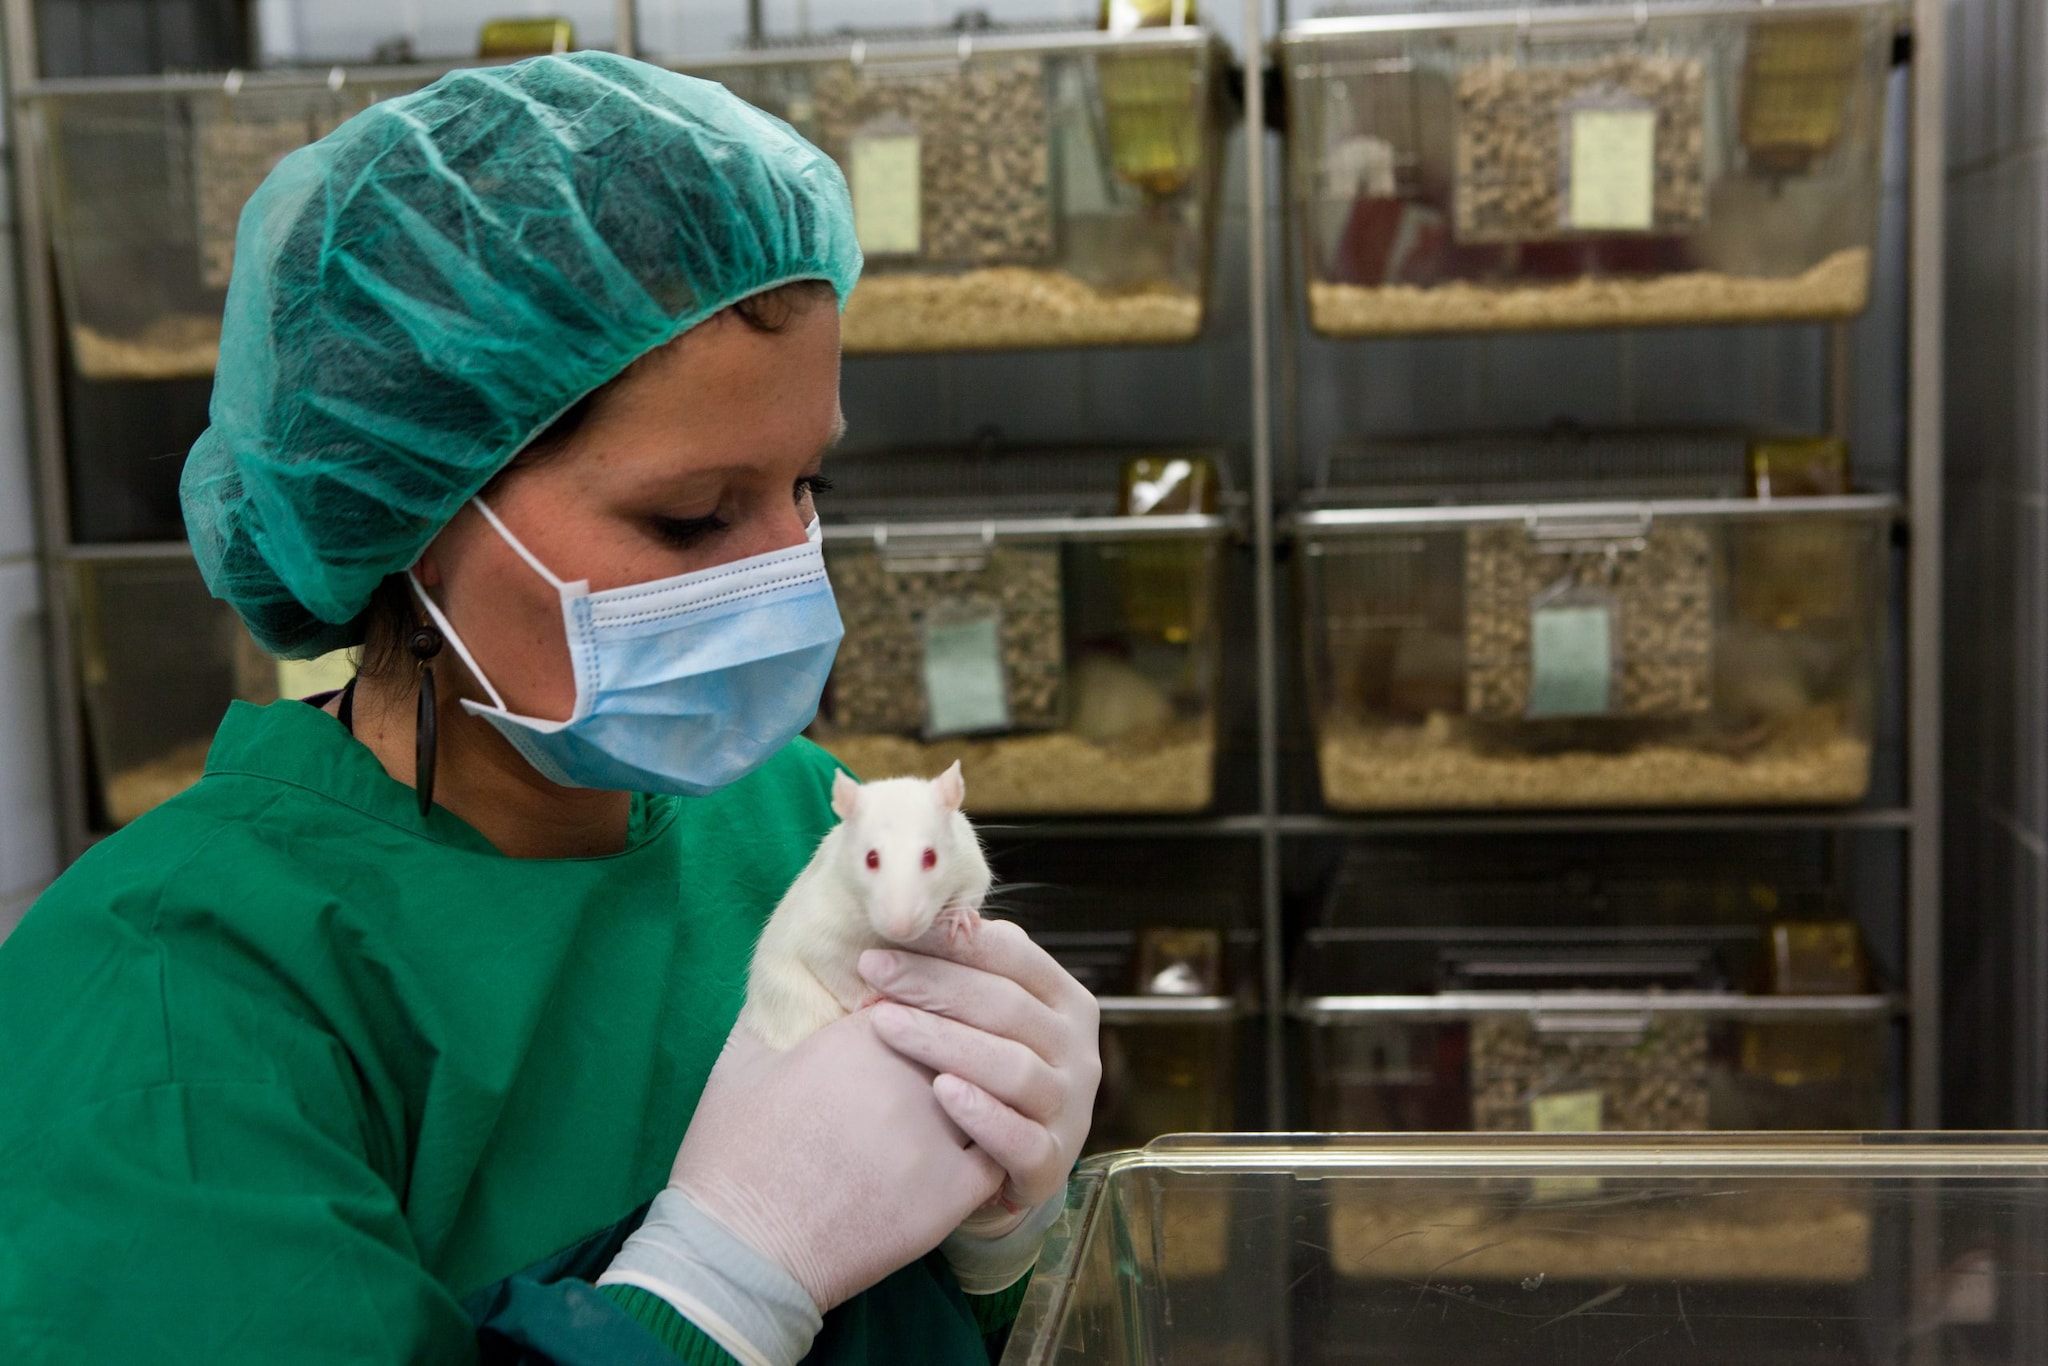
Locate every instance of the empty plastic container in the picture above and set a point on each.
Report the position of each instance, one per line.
(1821, 1250)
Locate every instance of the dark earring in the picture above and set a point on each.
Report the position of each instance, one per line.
(425, 644)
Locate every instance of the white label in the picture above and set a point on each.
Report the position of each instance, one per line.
(1613, 170)
(964, 685)
(1567, 1112)
(886, 197)
(1571, 661)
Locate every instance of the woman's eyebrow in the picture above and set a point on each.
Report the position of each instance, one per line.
(694, 474)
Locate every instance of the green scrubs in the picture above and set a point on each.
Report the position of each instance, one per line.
(291, 1072)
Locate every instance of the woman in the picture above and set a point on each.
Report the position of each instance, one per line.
(375, 1044)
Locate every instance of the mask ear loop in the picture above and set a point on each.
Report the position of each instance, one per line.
(445, 631)
(426, 643)
(519, 546)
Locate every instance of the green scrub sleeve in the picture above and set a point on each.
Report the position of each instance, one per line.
(993, 1314)
(551, 1315)
(546, 1314)
(683, 1339)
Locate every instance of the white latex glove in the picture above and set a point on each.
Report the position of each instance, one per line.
(1015, 1041)
(834, 1160)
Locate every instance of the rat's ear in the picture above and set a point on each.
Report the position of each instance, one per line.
(952, 787)
(845, 796)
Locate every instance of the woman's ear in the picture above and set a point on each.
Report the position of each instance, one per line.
(427, 568)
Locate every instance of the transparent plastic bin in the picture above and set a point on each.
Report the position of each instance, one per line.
(160, 660)
(1170, 1046)
(147, 182)
(1065, 655)
(1630, 1031)
(1802, 1250)
(1013, 190)
(1460, 169)
(1615, 642)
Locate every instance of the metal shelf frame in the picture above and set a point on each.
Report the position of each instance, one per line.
(1275, 384)
(1272, 381)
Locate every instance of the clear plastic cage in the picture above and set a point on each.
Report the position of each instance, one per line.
(1578, 1030)
(1017, 614)
(1458, 168)
(1013, 190)
(160, 660)
(147, 182)
(1643, 635)
(1177, 1015)
(1803, 1250)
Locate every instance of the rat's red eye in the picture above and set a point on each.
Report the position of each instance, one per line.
(931, 859)
(874, 860)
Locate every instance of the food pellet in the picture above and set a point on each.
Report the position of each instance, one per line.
(231, 157)
(1657, 1083)
(1662, 596)
(982, 151)
(1513, 121)
(878, 680)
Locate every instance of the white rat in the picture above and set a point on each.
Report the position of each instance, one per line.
(902, 861)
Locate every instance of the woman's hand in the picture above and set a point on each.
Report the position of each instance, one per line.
(1014, 1040)
(834, 1159)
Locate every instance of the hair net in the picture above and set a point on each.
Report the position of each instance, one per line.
(420, 293)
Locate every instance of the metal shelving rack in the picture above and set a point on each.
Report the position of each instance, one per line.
(1271, 381)
(1917, 819)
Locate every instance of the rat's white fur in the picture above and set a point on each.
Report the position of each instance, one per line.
(805, 972)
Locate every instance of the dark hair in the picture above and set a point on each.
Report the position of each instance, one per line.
(387, 623)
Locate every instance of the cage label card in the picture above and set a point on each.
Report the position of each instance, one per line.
(1566, 1112)
(885, 177)
(1571, 661)
(965, 689)
(1613, 175)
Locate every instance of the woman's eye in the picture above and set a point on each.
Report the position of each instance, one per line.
(811, 485)
(684, 532)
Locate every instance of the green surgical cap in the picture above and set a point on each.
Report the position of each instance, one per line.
(420, 293)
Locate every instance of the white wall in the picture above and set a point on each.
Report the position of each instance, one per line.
(28, 827)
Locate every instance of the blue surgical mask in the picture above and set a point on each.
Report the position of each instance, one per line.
(683, 685)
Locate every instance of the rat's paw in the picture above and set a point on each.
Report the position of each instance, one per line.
(961, 923)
